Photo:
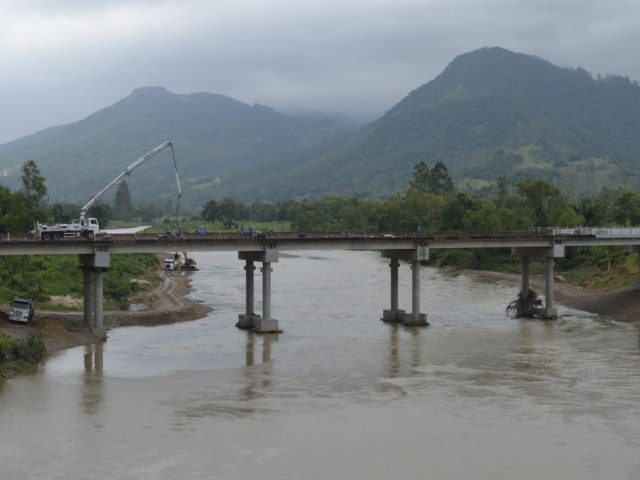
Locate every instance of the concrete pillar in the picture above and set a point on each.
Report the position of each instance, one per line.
(88, 295)
(415, 287)
(250, 320)
(266, 290)
(246, 320)
(415, 317)
(98, 317)
(395, 264)
(393, 314)
(94, 266)
(549, 253)
(525, 260)
(249, 268)
(549, 311)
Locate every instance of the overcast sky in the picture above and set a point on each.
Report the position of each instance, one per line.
(61, 60)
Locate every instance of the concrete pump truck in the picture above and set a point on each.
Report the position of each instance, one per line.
(88, 227)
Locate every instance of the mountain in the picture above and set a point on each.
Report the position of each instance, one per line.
(219, 142)
(493, 112)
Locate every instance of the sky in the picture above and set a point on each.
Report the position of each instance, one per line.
(62, 60)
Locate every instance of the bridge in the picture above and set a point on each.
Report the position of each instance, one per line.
(94, 256)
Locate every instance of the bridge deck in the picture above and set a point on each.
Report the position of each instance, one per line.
(298, 241)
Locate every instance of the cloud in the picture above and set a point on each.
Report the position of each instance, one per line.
(63, 60)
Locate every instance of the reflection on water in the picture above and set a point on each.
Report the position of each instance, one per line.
(339, 394)
(92, 394)
(258, 377)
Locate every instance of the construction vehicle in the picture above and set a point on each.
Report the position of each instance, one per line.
(189, 264)
(88, 227)
(21, 309)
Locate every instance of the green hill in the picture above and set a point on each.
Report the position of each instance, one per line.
(491, 112)
(218, 140)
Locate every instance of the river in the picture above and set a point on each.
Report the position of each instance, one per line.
(338, 395)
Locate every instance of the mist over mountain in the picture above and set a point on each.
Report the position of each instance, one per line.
(491, 112)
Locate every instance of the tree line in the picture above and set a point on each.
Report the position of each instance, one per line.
(432, 203)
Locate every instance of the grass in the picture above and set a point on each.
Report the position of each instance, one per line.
(190, 226)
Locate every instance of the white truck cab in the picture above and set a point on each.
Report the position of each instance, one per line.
(21, 309)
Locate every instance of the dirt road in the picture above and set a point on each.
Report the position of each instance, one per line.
(166, 304)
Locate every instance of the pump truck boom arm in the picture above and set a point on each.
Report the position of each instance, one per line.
(127, 172)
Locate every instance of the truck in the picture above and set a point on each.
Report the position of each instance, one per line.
(21, 309)
(89, 227)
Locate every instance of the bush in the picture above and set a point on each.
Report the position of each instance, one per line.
(19, 355)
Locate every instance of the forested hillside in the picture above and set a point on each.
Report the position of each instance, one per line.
(219, 142)
(494, 112)
(491, 112)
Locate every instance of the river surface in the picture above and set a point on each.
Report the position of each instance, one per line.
(338, 395)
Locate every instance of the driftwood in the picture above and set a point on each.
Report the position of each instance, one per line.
(524, 307)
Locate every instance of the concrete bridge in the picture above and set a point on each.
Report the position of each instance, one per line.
(94, 258)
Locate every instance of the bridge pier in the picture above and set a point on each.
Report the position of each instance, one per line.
(525, 261)
(394, 314)
(93, 268)
(550, 253)
(249, 320)
(246, 320)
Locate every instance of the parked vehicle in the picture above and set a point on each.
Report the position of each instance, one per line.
(21, 309)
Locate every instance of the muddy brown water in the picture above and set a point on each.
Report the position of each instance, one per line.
(339, 394)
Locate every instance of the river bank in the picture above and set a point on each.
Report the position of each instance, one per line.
(166, 304)
(620, 304)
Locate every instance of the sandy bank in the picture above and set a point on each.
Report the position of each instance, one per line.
(621, 304)
(164, 305)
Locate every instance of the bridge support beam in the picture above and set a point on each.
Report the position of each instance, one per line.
(257, 323)
(94, 267)
(246, 320)
(555, 251)
(394, 314)
(525, 260)
(88, 295)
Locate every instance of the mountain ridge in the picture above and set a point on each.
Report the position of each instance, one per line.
(490, 112)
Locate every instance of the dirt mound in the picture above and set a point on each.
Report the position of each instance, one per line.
(66, 301)
(53, 328)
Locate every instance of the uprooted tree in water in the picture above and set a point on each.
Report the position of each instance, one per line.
(524, 307)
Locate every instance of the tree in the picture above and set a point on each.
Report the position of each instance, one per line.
(33, 185)
(6, 199)
(420, 178)
(101, 212)
(122, 206)
(210, 211)
(626, 208)
(228, 210)
(544, 199)
(435, 180)
(439, 180)
(60, 213)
